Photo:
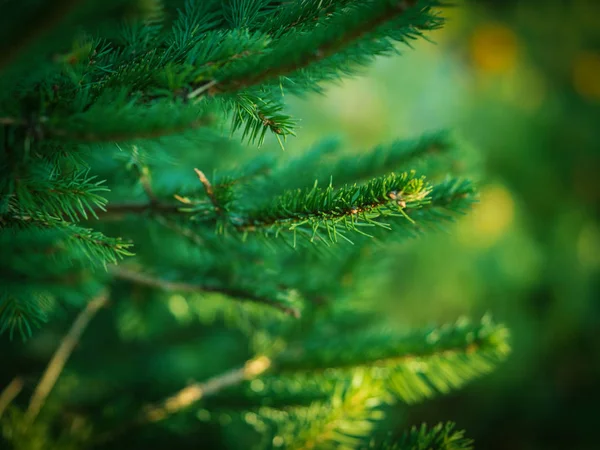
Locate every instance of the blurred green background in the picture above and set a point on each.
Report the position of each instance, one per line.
(519, 83)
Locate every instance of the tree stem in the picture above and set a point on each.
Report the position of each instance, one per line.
(9, 393)
(62, 354)
(193, 393)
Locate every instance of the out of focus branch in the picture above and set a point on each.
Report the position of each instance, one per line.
(166, 285)
(62, 354)
(9, 393)
(193, 393)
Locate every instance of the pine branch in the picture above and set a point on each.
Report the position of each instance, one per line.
(348, 208)
(21, 313)
(197, 391)
(341, 422)
(99, 247)
(372, 17)
(256, 116)
(402, 155)
(62, 354)
(71, 195)
(447, 200)
(9, 393)
(324, 163)
(53, 237)
(166, 285)
(443, 436)
(414, 366)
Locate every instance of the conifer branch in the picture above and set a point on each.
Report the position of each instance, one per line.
(337, 210)
(443, 436)
(391, 10)
(346, 418)
(62, 354)
(382, 349)
(9, 393)
(400, 155)
(69, 196)
(166, 285)
(197, 391)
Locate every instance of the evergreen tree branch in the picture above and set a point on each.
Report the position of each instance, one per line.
(236, 293)
(374, 16)
(347, 208)
(9, 393)
(399, 156)
(342, 421)
(72, 195)
(257, 115)
(413, 367)
(197, 391)
(448, 199)
(62, 354)
(443, 436)
(325, 164)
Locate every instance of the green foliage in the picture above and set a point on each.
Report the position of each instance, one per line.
(337, 210)
(119, 129)
(440, 437)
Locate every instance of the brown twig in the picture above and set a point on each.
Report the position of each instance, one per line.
(62, 354)
(9, 393)
(193, 393)
(209, 191)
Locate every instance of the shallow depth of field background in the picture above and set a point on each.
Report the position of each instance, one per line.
(520, 86)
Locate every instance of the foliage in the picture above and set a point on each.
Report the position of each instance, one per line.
(117, 181)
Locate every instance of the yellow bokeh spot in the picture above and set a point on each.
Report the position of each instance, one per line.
(494, 48)
(179, 306)
(588, 246)
(491, 218)
(586, 75)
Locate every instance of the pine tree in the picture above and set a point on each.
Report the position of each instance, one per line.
(190, 253)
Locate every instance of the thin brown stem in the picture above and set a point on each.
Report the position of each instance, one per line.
(146, 184)
(62, 354)
(209, 191)
(237, 293)
(193, 393)
(9, 393)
